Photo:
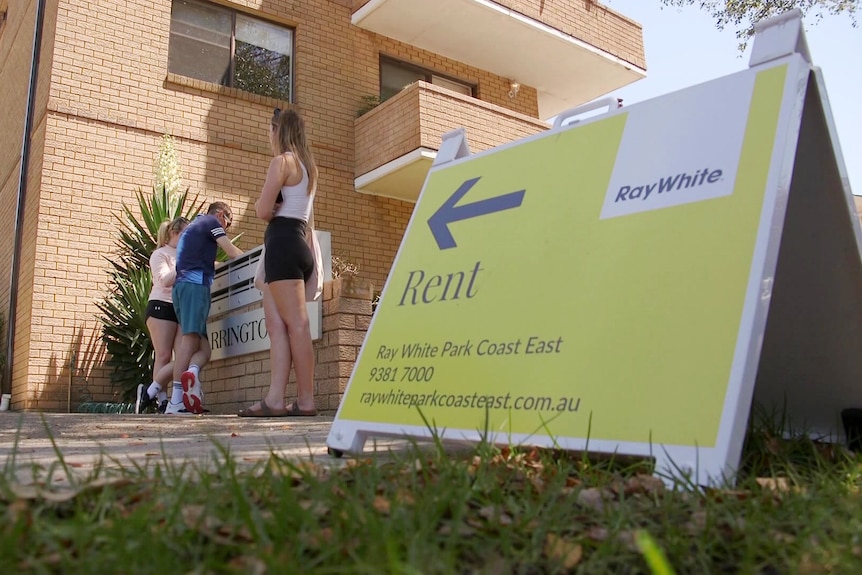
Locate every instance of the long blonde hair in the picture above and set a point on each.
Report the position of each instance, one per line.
(290, 137)
(168, 227)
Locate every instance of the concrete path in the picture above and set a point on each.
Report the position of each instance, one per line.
(29, 442)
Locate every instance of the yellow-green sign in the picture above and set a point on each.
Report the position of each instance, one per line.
(598, 284)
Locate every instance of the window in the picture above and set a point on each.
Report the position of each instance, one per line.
(225, 47)
(395, 76)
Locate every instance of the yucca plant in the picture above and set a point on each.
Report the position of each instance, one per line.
(124, 329)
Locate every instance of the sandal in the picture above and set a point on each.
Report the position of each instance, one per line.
(263, 411)
(294, 411)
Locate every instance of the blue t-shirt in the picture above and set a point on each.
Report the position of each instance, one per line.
(197, 249)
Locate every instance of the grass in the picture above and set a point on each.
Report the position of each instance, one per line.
(795, 509)
(96, 407)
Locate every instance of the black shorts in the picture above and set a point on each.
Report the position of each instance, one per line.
(287, 255)
(161, 310)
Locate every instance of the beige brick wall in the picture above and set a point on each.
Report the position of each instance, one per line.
(109, 100)
(16, 52)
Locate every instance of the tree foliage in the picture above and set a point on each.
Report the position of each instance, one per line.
(261, 71)
(743, 14)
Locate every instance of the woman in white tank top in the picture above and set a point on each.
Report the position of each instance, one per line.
(288, 262)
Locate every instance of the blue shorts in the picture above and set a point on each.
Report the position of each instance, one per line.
(192, 304)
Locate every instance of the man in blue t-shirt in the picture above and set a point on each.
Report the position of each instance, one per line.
(196, 254)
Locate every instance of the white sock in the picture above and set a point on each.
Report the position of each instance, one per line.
(177, 394)
(154, 389)
(163, 396)
(195, 369)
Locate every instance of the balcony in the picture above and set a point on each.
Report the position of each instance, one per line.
(571, 51)
(397, 141)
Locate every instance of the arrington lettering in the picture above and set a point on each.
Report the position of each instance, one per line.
(681, 181)
(242, 333)
(471, 401)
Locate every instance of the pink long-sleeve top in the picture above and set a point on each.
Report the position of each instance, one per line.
(163, 265)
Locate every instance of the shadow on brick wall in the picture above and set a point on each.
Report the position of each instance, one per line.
(67, 381)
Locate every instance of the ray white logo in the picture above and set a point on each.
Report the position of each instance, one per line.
(682, 148)
(681, 182)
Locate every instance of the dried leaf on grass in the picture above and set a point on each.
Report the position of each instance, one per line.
(531, 459)
(780, 484)
(319, 539)
(571, 484)
(538, 483)
(197, 518)
(404, 497)
(597, 533)
(601, 534)
(381, 505)
(627, 539)
(248, 565)
(315, 507)
(460, 529)
(49, 560)
(644, 484)
(565, 551)
(592, 498)
(722, 495)
(496, 565)
(38, 492)
(773, 445)
(18, 510)
(697, 524)
(495, 514)
(782, 537)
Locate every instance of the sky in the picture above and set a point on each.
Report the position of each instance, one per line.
(683, 48)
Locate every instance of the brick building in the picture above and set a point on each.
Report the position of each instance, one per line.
(114, 76)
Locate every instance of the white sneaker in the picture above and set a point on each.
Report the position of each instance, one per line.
(192, 396)
(176, 409)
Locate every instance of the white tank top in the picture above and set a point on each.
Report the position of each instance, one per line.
(297, 200)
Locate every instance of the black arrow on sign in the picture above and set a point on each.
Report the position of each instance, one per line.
(449, 212)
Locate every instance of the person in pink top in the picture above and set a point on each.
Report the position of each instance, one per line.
(161, 318)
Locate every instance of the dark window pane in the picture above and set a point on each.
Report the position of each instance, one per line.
(459, 87)
(262, 62)
(395, 77)
(200, 41)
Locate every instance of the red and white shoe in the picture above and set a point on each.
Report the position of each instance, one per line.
(192, 395)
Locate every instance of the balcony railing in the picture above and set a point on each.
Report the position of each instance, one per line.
(397, 141)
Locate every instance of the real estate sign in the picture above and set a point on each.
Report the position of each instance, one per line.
(624, 283)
